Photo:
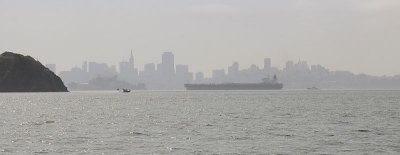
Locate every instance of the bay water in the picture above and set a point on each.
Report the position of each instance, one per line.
(201, 122)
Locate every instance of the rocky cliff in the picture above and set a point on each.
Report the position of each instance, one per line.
(20, 73)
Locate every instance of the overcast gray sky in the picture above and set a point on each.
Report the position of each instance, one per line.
(362, 36)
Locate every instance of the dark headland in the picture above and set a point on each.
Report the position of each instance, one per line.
(20, 73)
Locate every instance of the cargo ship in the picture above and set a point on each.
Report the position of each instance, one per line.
(266, 84)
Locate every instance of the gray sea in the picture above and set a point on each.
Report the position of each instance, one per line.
(201, 122)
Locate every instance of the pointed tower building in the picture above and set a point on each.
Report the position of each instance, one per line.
(127, 70)
(131, 61)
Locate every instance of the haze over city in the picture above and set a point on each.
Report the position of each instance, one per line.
(359, 35)
(199, 77)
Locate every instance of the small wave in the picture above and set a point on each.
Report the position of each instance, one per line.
(132, 133)
(334, 142)
(348, 115)
(42, 152)
(49, 122)
(5, 150)
(44, 122)
(174, 148)
(363, 130)
(137, 133)
(284, 135)
(380, 133)
(83, 137)
(38, 123)
(340, 122)
(243, 138)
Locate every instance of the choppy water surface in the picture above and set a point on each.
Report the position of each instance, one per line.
(260, 122)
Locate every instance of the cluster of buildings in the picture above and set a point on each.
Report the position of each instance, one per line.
(165, 75)
(168, 76)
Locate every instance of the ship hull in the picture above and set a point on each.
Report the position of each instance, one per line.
(235, 86)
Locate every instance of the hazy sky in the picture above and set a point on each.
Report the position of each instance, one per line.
(362, 36)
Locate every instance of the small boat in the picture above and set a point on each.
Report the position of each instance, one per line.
(313, 88)
(126, 90)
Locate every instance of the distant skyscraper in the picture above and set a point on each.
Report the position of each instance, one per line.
(267, 64)
(52, 67)
(167, 66)
(234, 69)
(85, 66)
(168, 62)
(101, 70)
(131, 60)
(149, 72)
(127, 71)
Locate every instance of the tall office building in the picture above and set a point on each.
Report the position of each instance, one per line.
(168, 62)
(131, 61)
(127, 70)
(101, 70)
(267, 67)
(85, 66)
(234, 69)
(167, 66)
(267, 64)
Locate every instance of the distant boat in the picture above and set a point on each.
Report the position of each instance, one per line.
(125, 90)
(313, 88)
(265, 85)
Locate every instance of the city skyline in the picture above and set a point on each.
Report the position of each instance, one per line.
(140, 64)
(359, 36)
(125, 62)
(207, 73)
(167, 75)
